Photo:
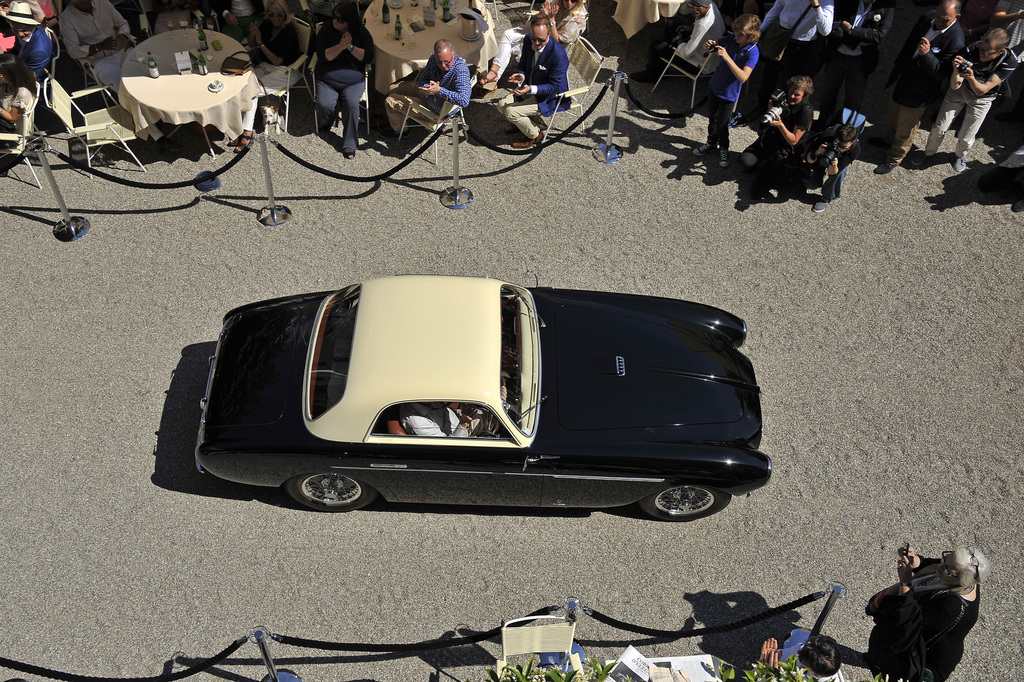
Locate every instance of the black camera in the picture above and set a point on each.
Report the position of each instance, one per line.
(779, 106)
(830, 154)
(964, 66)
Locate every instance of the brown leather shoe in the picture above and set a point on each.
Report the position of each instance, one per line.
(526, 144)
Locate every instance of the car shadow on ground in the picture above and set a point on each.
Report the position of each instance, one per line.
(174, 466)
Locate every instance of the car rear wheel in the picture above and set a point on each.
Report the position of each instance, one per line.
(330, 492)
(685, 503)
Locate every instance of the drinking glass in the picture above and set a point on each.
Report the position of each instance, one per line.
(184, 26)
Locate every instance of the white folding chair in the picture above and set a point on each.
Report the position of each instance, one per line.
(586, 61)
(706, 70)
(112, 125)
(432, 120)
(298, 66)
(25, 127)
(538, 635)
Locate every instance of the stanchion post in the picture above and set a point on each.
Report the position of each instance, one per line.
(69, 228)
(260, 636)
(272, 215)
(836, 591)
(607, 152)
(456, 196)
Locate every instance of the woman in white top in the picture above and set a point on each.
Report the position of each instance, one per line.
(17, 90)
(567, 19)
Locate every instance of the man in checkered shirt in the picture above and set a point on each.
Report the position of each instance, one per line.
(445, 78)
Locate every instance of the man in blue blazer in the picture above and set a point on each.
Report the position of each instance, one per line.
(541, 76)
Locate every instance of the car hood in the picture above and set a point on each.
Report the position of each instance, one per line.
(256, 361)
(618, 368)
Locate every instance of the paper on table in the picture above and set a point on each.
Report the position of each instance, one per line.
(183, 61)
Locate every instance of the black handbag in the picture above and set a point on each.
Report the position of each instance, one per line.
(236, 64)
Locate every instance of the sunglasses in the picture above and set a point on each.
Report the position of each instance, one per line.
(538, 41)
(275, 15)
(974, 562)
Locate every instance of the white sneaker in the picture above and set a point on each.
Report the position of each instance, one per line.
(960, 165)
(723, 158)
(703, 149)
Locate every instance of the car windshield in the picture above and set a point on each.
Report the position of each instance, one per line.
(332, 351)
(520, 357)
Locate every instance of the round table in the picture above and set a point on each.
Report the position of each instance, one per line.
(397, 59)
(182, 98)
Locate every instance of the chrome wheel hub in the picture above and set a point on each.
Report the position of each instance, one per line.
(331, 489)
(684, 500)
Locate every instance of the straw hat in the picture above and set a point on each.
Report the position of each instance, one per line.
(21, 12)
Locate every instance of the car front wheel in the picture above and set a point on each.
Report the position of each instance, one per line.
(685, 503)
(330, 492)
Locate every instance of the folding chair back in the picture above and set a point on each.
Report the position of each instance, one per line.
(24, 128)
(855, 119)
(548, 634)
(586, 61)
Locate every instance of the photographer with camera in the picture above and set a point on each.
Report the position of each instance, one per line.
(773, 154)
(828, 159)
(978, 72)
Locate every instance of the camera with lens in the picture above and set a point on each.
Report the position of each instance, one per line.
(712, 44)
(830, 154)
(779, 106)
(964, 66)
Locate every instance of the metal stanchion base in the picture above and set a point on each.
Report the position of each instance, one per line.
(272, 217)
(71, 231)
(607, 154)
(452, 198)
(283, 676)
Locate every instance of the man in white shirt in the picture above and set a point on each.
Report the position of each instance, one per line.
(434, 419)
(93, 30)
(707, 25)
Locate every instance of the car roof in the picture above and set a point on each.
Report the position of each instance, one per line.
(418, 338)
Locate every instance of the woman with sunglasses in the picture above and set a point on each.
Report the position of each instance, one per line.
(344, 48)
(921, 621)
(567, 19)
(273, 45)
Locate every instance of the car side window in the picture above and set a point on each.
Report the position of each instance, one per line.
(428, 419)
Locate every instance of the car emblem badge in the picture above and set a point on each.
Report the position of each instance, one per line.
(620, 365)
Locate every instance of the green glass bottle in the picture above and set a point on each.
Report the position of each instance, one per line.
(201, 65)
(203, 47)
(398, 27)
(385, 13)
(446, 11)
(154, 72)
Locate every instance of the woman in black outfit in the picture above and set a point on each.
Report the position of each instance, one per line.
(922, 621)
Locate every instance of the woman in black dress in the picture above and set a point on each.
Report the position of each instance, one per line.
(921, 622)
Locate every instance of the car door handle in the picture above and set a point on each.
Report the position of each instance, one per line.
(531, 460)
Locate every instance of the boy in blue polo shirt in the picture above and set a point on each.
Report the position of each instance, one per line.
(738, 53)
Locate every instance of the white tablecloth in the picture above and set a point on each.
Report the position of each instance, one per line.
(177, 98)
(633, 15)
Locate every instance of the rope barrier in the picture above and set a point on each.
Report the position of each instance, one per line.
(540, 147)
(426, 645)
(651, 112)
(71, 677)
(713, 630)
(148, 185)
(353, 178)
